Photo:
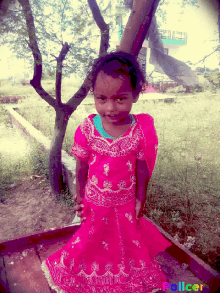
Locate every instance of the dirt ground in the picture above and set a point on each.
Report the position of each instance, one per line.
(31, 207)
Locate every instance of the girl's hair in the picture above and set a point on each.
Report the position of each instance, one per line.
(115, 64)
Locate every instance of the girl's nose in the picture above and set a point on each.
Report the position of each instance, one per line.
(110, 105)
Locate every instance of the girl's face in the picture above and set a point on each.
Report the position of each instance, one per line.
(113, 98)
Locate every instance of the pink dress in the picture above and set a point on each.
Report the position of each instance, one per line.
(111, 251)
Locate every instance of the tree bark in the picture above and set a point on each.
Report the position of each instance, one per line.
(138, 25)
(55, 155)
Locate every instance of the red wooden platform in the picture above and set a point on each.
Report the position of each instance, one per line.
(21, 258)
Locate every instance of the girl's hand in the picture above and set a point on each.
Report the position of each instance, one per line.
(139, 209)
(79, 208)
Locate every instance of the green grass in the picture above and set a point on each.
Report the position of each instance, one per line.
(183, 194)
(21, 158)
(18, 156)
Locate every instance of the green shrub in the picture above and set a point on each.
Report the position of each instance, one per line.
(177, 89)
(214, 80)
(198, 88)
(4, 117)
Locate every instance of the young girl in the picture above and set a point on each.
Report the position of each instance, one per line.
(114, 250)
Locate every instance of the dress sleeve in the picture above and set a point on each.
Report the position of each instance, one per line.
(140, 154)
(151, 147)
(80, 146)
(149, 144)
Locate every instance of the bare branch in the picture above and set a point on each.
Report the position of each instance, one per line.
(207, 56)
(36, 81)
(104, 28)
(60, 59)
(80, 95)
(56, 58)
(28, 43)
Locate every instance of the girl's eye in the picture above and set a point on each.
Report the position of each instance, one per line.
(101, 99)
(104, 99)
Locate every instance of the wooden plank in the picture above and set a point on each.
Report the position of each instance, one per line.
(24, 274)
(3, 280)
(202, 270)
(176, 273)
(32, 239)
(46, 248)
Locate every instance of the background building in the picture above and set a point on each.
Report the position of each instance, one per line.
(173, 41)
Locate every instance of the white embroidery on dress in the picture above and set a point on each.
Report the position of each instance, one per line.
(72, 264)
(108, 198)
(64, 254)
(120, 242)
(106, 220)
(144, 278)
(108, 266)
(91, 232)
(79, 151)
(136, 242)
(122, 184)
(121, 267)
(82, 266)
(140, 155)
(94, 159)
(76, 241)
(142, 263)
(129, 164)
(95, 266)
(105, 245)
(107, 185)
(118, 147)
(72, 282)
(106, 169)
(133, 179)
(129, 216)
(131, 262)
(94, 179)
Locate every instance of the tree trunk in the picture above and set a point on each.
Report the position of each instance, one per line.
(55, 163)
(138, 25)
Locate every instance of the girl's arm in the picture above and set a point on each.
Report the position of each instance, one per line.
(142, 175)
(82, 168)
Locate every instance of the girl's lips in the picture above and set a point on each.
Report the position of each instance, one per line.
(113, 117)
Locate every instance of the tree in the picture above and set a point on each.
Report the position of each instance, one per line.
(68, 20)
